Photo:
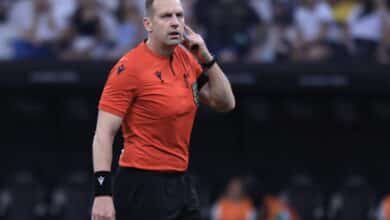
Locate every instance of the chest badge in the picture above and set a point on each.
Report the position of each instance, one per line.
(195, 93)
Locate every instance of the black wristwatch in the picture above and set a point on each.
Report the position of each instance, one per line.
(209, 64)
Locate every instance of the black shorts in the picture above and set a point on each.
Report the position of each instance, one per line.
(140, 194)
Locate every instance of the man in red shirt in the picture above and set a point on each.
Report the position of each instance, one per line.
(153, 93)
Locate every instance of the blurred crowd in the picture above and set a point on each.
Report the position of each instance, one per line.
(300, 199)
(236, 31)
(68, 197)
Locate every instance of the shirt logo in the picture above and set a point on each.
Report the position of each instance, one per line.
(100, 180)
(158, 74)
(121, 68)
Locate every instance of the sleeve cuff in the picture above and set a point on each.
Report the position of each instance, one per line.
(111, 110)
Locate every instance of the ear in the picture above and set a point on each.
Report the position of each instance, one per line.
(148, 24)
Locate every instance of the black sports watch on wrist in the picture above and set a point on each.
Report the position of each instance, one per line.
(209, 64)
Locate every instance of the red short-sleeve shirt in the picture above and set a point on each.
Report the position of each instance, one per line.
(157, 98)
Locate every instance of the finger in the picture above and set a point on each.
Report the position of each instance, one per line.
(185, 35)
(194, 47)
(111, 216)
(188, 29)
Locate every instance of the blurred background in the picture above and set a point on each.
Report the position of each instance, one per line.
(308, 139)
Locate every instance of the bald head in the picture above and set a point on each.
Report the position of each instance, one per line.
(149, 6)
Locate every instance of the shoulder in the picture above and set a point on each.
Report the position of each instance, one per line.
(131, 60)
(124, 68)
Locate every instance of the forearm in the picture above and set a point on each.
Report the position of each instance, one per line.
(220, 92)
(102, 152)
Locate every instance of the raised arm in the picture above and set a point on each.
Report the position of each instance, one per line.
(217, 92)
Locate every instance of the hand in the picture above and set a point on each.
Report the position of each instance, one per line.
(103, 208)
(195, 43)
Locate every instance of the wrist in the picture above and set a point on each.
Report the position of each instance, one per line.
(205, 56)
(102, 183)
(209, 64)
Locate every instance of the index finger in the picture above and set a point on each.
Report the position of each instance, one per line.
(187, 28)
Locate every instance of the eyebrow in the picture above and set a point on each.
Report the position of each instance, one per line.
(172, 13)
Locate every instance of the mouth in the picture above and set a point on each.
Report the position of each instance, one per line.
(174, 34)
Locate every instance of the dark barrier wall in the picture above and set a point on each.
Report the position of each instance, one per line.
(327, 120)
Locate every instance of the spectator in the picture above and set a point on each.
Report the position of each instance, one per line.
(39, 29)
(338, 39)
(8, 32)
(365, 29)
(256, 31)
(384, 209)
(283, 30)
(384, 49)
(263, 9)
(304, 198)
(261, 49)
(355, 199)
(274, 208)
(63, 10)
(234, 31)
(312, 19)
(89, 31)
(234, 205)
(273, 41)
(129, 30)
(111, 6)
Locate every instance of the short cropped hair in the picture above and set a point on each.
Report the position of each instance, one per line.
(148, 6)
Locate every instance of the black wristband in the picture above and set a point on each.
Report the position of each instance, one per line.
(102, 183)
(209, 64)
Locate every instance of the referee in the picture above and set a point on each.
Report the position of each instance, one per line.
(153, 94)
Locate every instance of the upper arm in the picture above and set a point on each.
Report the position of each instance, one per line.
(120, 90)
(107, 123)
(204, 94)
(118, 94)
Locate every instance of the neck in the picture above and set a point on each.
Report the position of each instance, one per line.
(160, 49)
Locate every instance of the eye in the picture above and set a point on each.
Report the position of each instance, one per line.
(179, 15)
(166, 15)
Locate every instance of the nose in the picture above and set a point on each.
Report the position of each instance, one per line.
(174, 22)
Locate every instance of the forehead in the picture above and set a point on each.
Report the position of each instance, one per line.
(167, 6)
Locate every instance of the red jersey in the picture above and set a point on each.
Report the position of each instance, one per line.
(157, 97)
